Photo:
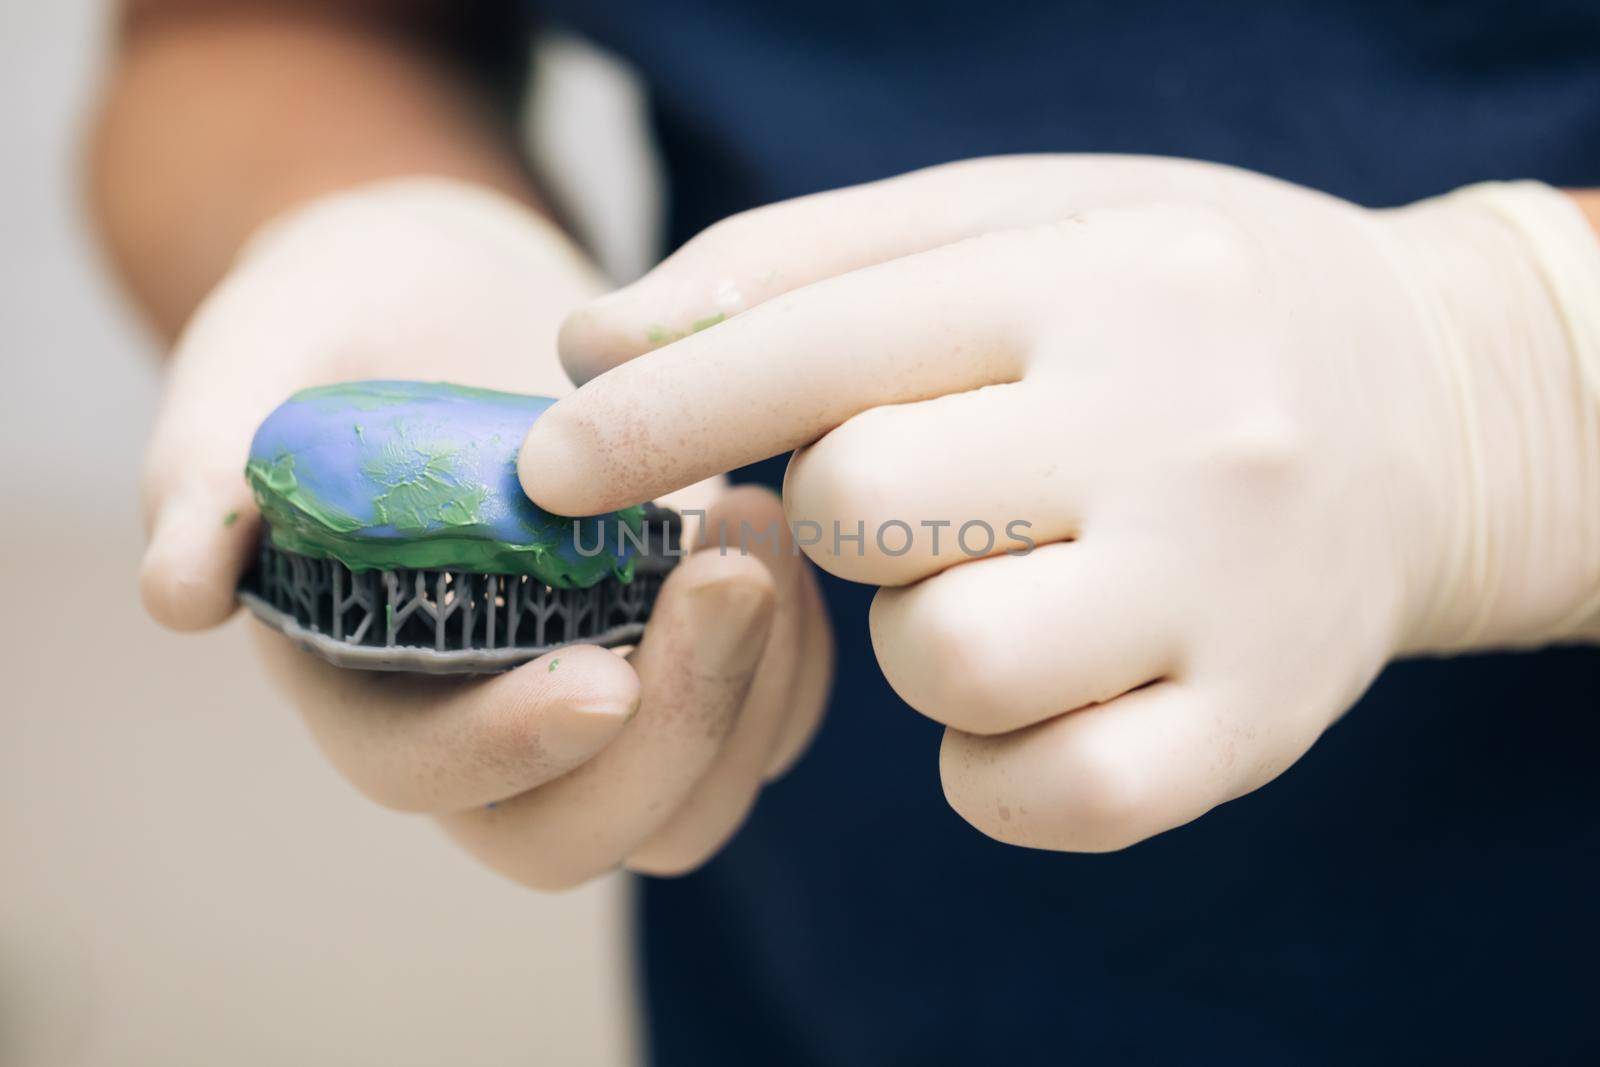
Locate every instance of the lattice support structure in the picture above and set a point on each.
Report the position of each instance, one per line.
(450, 621)
(445, 610)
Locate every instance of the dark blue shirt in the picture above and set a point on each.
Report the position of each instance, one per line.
(1424, 886)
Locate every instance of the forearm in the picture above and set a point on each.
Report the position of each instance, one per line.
(215, 120)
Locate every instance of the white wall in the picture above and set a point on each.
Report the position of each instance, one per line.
(182, 879)
(79, 388)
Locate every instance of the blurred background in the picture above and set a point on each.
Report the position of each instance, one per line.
(182, 878)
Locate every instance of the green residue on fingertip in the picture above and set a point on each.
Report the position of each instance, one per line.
(660, 335)
(230, 518)
(553, 665)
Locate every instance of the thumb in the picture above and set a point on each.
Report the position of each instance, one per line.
(201, 519)
(202, 536)
(232, 364)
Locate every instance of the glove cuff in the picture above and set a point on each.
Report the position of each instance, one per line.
(1562, 247)
(1507, 279)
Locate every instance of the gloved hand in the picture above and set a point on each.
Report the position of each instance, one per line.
(548, 776)
(1264, 440)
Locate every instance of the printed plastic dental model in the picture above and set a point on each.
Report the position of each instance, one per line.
(396, 536)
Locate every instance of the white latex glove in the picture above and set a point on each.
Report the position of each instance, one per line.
(550, 776)
(1266, 442)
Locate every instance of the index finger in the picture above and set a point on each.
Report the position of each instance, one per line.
(775, 378)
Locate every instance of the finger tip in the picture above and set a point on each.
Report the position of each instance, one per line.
(202, 540)
(553, 466)
(183, 599)
(576, 700)
(736, 600)
(729, 571)
(728, 600)
(598, 675)
(592, 339)
(960, 756)
(665, 863)
(752, 500)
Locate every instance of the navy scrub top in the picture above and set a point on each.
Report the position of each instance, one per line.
(1424, 886)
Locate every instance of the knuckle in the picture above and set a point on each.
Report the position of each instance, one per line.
(1187, 254)
(1261, 457)
(1202, 238)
